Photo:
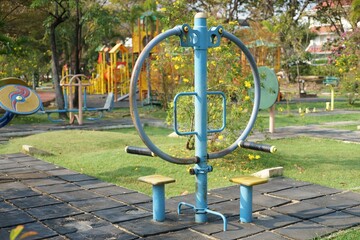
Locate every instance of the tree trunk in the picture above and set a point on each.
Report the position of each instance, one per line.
(55, 71)
(77, 49)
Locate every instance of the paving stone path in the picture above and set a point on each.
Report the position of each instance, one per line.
(62, 204)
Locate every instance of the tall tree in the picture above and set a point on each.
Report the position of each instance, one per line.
(58, 11)
(333, 12)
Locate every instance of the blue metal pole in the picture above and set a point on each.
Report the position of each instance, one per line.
(200, 71)
(245, 203)
(158, 202)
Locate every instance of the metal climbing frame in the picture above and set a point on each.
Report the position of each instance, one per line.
(200, 39)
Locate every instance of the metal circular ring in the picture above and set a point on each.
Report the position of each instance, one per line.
(6, 118)
(176, 31)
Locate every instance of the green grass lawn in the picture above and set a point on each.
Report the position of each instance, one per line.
(101, 154)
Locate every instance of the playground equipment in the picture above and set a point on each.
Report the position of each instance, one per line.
(113, 67)
(265, 54)
(269, 92)
(331, 82)
(69, 83)
(200, 39)
(17, 99)
(113, 73)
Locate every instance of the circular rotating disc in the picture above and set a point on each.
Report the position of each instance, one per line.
(19, 99)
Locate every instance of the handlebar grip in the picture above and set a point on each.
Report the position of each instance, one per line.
(258, 147)
(139, 151)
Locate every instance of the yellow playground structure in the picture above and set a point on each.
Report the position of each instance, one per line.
(112, 71)
(113, 67)
(265, 54)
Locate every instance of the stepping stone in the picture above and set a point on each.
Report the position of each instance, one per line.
(335, 202)
(5, 166)
(268, 201)
(266, 236)
(28, 175)
(90, 205)
(45, 166)
(104, 232)
(180, 235)
(170, 206)
(227, 193)
(303, 210)
(58, 188)
(113, 190)
(53, 211)
(43, 182)
(14, 218)
(18, 170)
(69, 175)
(76, 195)
(338, 220)
(146, 227)
(77, 223)
(5, 207)
(15, 155)
(42, 231)
(132, 198)
(350, 195)
(90, 184)
(14, 190)
(269, 219)
(354, 211)
(238, 230)
(278, 184)
(297, 194)
(35, 201)
(211, 228)
(231, 208)
(320, 189)
(121, 214)
(305, 230)
(27, 158)
(190, 198)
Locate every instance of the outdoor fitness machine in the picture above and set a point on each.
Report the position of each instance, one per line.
(200, 39)
(17, 99)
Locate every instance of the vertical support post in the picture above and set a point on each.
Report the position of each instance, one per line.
(272, 119)
(200, 72)
(80, 103)
(158, 202)
(245, 203)
(332, 98)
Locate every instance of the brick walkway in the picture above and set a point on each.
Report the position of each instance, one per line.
(62, 204)
(59, 203)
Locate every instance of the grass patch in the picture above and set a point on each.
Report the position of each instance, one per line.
(283, 120)
(101, 154)
(349, 234)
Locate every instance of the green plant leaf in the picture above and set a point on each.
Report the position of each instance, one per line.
(28, 234)
(15, 232)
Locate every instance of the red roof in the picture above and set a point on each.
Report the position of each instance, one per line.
(323, 29)
(331, 3)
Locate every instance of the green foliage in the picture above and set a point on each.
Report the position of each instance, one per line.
(346, 63)
(175, 68)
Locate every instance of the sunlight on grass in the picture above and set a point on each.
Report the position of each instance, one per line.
(101, 154)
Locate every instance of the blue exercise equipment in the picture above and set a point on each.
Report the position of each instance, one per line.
(200, 39)
(17, 99)
(75, 81)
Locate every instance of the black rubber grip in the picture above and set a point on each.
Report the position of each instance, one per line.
(258, 147)
(139, 151)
